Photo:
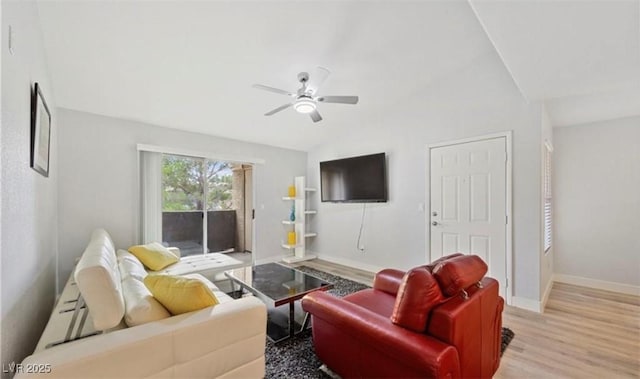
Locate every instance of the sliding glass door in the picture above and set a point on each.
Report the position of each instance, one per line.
(183, 191)
(198, 213)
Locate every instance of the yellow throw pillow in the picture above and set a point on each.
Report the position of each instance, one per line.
(179, 294)
(154, 255)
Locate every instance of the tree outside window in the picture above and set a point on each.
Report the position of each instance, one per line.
(184, 179)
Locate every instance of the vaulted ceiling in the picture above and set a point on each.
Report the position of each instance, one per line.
(190, 65)
(582, 58)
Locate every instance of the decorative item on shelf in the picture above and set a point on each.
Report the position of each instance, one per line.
(292, 191)
(291, 238)
(292, 215)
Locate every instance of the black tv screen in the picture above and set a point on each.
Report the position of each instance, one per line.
(354, 180)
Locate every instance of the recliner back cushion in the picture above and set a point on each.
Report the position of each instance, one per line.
(98, 280)
(435, 263)
(419, 293)
(456, 274)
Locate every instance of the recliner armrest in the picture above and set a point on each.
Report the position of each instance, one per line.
(388, 280)
(422, 351)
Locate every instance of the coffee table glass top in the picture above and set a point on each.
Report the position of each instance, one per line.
(280, 283)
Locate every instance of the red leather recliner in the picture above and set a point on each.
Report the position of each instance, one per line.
(441, 320)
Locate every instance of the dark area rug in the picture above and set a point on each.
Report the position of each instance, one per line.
(296, 358)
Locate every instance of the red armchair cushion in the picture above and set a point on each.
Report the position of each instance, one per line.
(388, 280)
(458, 273)
(418, 294)
(435, 263)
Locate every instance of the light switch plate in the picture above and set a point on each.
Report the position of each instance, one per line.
(11, 40)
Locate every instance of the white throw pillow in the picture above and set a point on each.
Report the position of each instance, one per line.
(140, 306)
(130, 266)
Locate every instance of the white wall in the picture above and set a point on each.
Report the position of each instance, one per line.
(546, 258)
(98, 180)
(478, 100)
(29, 210)
(597, 204)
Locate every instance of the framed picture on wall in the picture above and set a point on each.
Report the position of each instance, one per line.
(40, 132)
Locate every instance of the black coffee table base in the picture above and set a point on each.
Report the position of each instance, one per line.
(281, 288)
(282, 323)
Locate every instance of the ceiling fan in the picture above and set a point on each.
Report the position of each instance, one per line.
(306, 99)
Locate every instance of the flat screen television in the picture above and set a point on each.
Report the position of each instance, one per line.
(360, 179)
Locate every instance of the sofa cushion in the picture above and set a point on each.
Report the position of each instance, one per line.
(220, 295)
(205, 264)
(180, 294)
(419, 293)
(130, 266)
(154, 256)
(98, 280)
(456, 274)
(140, 305)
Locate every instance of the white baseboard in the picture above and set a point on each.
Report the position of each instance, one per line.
(525, 303)
(545, 295)
(598, 284)
(350, 263)
(538, 306)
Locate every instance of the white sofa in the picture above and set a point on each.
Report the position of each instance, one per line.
(223, 341)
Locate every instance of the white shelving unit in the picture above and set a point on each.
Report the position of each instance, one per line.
(300, 252)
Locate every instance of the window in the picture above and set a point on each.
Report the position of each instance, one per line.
(547, 197)
(197, 204)
(194, 203)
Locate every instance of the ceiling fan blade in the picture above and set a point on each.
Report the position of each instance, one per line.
(315, 116)
(280, 108)
(318, 78)
(271, 89)
(339, 99)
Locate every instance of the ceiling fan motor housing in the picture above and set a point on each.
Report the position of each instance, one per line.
(303, 77)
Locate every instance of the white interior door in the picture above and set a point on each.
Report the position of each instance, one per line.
(468, 203)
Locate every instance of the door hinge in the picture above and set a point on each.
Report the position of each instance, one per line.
(507, 285)
(506, 220)
(253, 214)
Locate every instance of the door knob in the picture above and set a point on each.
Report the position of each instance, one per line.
(434, 223)
(435, 213)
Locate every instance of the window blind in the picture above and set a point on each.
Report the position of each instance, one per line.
(547, 200)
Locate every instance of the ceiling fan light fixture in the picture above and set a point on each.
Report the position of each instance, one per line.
(304, 105)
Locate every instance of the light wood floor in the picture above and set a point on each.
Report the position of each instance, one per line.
(583, 333)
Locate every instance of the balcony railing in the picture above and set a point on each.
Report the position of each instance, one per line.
(183, 229)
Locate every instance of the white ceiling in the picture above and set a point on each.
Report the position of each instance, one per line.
(190, 65)
(582, 58)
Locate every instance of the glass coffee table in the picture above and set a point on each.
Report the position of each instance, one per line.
(277, 285)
